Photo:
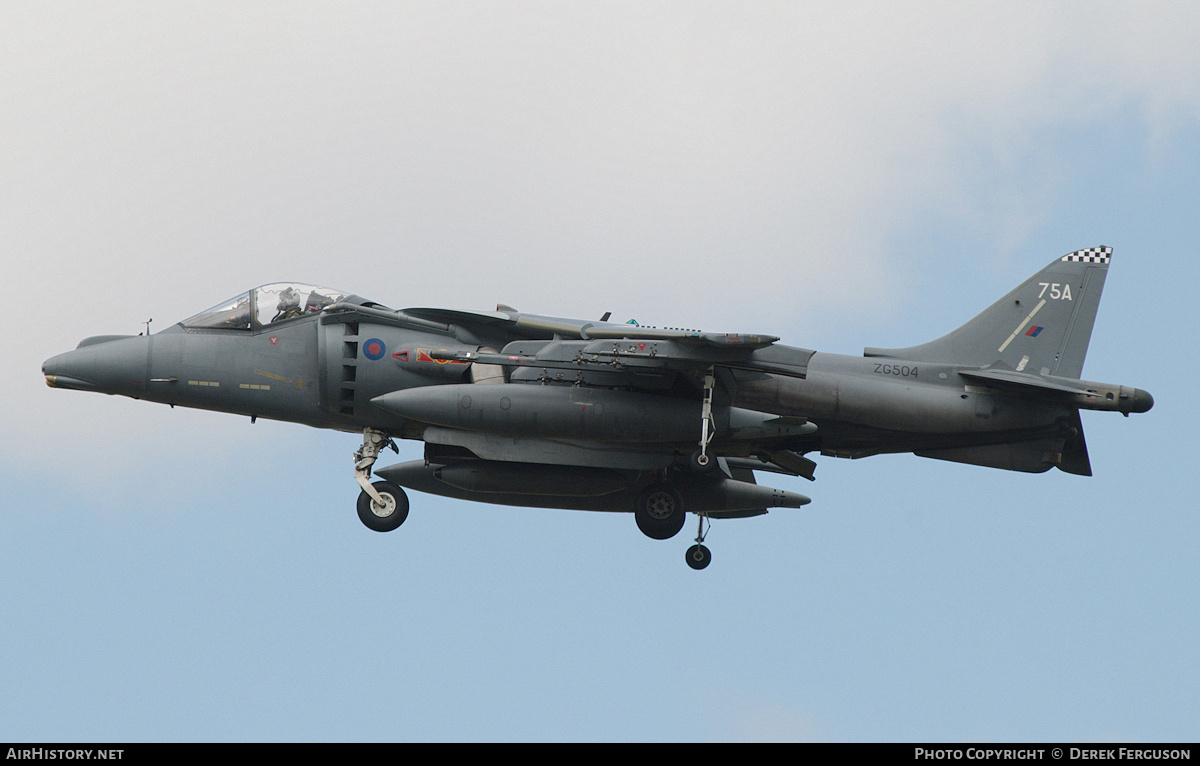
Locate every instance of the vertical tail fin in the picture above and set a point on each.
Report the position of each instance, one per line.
(1042, 327)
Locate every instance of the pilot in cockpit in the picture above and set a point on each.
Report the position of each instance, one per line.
(289, 305)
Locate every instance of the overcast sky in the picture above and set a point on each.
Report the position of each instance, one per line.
(838, 174)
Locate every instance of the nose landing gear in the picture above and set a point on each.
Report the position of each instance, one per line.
(382, 506)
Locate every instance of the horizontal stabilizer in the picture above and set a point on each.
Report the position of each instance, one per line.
(1085, 394)
(1012, 378)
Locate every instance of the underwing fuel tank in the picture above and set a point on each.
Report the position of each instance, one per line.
(590, 489)
(561, 480)
(576, 412)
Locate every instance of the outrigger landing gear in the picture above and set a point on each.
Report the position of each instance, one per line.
(699, 556)
(700, 458)
(382, 506)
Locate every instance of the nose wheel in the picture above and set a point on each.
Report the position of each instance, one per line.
(386, 513)
(382, 506)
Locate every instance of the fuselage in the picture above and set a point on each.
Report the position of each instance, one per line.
(325, 374)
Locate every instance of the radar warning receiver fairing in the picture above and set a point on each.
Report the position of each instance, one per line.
(526, 410)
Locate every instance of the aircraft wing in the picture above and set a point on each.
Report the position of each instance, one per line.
(607, 331)
(457, 317)
(530, 325)
(640, 356)
(557, 343)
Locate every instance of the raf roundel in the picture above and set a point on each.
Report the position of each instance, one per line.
(374, 349)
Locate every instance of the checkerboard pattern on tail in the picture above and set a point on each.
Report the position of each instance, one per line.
(1091, 255)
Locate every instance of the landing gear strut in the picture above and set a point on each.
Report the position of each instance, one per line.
(382, 506)
(700, 458)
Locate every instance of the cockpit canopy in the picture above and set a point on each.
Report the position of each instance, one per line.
(265, 306)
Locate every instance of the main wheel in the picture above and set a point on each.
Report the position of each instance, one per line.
(659, 512)
(698, 557)
(386, 516)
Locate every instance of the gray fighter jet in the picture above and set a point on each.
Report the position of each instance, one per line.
(538, 411)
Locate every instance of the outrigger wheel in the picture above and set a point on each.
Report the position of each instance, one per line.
(659, 512)
(698, 556)
(387, 515)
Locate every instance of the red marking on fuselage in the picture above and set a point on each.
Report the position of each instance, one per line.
(423, 356)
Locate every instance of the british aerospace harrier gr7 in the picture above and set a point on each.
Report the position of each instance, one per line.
(528, 410)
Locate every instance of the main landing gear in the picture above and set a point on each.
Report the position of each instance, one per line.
(659, 513)
(382, 506)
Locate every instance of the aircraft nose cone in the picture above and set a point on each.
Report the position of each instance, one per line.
(110, 366)
(64, 371)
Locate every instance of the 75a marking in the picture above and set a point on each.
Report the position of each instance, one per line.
(1058, 291)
